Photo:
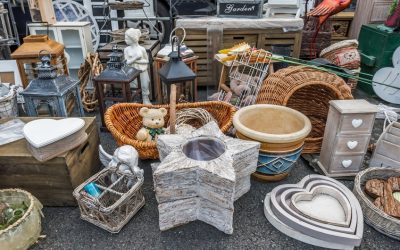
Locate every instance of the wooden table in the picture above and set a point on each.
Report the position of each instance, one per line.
(53, 181)
(191, 62)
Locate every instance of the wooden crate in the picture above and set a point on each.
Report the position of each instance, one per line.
(196, 39)
(52, 182)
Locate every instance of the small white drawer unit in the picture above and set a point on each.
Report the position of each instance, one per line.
(346, 138)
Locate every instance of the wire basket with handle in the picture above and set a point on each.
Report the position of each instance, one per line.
(118, 202)
(248, 71)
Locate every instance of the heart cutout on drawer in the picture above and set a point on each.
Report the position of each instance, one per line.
(346, 163)
(283, 209)
(356, 122)
(352, 144)
(42, 132)
(324, 204)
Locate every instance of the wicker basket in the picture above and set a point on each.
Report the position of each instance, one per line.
(26, 230)
(308, 91)
(127, 5)
(8, 104)
(117, 203)
(344, 54)
(375, 217)
(123, 121)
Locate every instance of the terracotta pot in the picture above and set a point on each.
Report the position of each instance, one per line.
(281, 132)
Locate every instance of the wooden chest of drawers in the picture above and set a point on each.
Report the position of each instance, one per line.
(347, 134)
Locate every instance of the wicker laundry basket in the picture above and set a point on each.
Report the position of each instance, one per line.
(306, 90)
(26, 230)
(375, 217)
(123, 121)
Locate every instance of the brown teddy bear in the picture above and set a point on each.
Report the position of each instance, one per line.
(153, 123)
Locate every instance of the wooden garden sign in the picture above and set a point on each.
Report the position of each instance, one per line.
(240, 8)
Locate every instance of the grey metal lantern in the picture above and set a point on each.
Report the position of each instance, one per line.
(175, 71)
(56, 93)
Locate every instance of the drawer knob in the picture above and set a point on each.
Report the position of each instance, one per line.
(352, 144)
(346, 163)
(356, 122)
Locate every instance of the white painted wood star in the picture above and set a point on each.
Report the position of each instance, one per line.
(201, 175)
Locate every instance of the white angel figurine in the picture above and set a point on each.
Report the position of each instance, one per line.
(125, 158)
(136, 57)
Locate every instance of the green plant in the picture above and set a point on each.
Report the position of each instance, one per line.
(393, 7)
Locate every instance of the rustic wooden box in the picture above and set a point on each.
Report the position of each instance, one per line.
(341, 24)
(52, 182)
(196, 39)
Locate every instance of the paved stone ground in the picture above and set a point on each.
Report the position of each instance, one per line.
(65, 230)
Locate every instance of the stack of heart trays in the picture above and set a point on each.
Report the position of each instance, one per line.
(318, 210)
(49, 138)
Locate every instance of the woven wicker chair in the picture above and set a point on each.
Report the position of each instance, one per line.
(308, 91)
(123, 121)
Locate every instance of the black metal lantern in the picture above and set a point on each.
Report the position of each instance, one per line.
(54, 92)
(119, 77)
(175, 71)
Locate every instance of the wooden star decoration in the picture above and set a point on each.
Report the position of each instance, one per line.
(200, 176)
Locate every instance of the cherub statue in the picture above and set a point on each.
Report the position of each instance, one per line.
(136, 57)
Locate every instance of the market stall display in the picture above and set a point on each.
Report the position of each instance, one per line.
(281, 132)
(346, 137)
(306, 90)
(374, 216)
(270, 101)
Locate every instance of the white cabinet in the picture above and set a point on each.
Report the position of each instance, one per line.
(75, 36)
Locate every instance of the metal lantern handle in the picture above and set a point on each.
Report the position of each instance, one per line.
(174, 31)
(44, 50)
(175, 40)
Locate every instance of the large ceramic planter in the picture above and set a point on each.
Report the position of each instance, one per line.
(281, 132)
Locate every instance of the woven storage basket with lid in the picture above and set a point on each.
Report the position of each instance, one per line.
(123, 121)
(375, 217)
(306, 90)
